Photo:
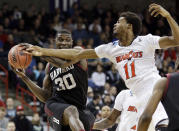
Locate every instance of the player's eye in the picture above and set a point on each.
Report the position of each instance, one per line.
(60, 39)
(68, 40)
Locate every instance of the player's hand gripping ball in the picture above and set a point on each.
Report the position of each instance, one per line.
(18, 58)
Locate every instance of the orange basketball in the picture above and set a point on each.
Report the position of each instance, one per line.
(18, 59)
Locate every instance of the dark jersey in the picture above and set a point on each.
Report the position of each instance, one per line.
(70, 84)
(170, 101)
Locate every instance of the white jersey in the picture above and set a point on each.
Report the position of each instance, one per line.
(127, 103)
(135, 63)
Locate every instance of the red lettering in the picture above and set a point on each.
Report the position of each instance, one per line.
(130, 55)
(140, 54)
(118, 59)
(132, 109)
(134, 127)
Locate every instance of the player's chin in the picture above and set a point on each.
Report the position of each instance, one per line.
(114, 33)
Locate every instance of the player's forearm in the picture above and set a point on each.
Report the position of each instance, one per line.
(68, 54)
(144, 123)
(103, 124)
(174, 27)
(40, 93)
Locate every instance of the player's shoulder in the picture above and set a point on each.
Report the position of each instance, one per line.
(123, 93)
(146, 37)
(110, 44)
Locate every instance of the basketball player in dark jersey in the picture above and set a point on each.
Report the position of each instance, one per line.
(166, 90)
(64, 90)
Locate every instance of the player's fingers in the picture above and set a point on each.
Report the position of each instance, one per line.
(14, 70)
(24, 45)
(153, 4)
(156, 14)
(155, 11)
(151, 8)
(28, 52)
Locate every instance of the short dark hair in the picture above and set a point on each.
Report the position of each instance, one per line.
(133, 19)
(64, 31)
(96, 96)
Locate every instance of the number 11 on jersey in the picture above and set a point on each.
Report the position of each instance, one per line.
(132, 65)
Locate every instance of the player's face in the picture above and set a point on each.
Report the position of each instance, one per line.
(64, 41)
(120, 27)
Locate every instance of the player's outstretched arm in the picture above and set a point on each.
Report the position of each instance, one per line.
(107, 122)
(58, 62)
(41, 93)
(153, 102)
(167, 41)
(68, 54)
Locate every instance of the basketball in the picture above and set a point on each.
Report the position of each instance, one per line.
(18, 59)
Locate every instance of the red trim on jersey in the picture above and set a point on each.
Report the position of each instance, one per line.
(78, 64)
(48, 111)
(166, 89)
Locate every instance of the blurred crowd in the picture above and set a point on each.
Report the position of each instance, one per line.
(90, 28)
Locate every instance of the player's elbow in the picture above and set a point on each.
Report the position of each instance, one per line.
(175, 40)
(145, 118)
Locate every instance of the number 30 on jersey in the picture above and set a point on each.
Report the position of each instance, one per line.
(65, 82)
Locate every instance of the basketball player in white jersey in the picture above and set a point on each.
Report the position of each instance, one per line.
(126, 105)
(132, 54)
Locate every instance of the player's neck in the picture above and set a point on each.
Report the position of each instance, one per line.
(127, 39)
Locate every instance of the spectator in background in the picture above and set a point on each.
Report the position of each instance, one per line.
(39, 73)
(80, 33)
(107, 88)
(105, 112)
(99, 79)
(11, 126)
(107, 100)
(94, 106)
(17, 14)
(90, 95)
(20, 120)
(57, 25)
(112, 76)
(3, 35)
(113, 93)
(9, 44)
(37, 126)
(95, 35)
(170, 53)
(96, 23)
(10, 111)
(6, 24)
(1, 97)
(3, 119)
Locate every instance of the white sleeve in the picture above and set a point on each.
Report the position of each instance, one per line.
(153, 41)
(119, 101)
(102, 51)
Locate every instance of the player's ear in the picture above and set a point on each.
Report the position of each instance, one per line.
(129, 26)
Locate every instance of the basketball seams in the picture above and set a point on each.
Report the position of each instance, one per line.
(14, 64)
(25, 60)
(17, 51)
(18, 59)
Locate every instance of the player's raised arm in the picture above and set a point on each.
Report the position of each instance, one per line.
(68, 54)
(167, 41)
(41, 93)
(107, 122)
(154, 100)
